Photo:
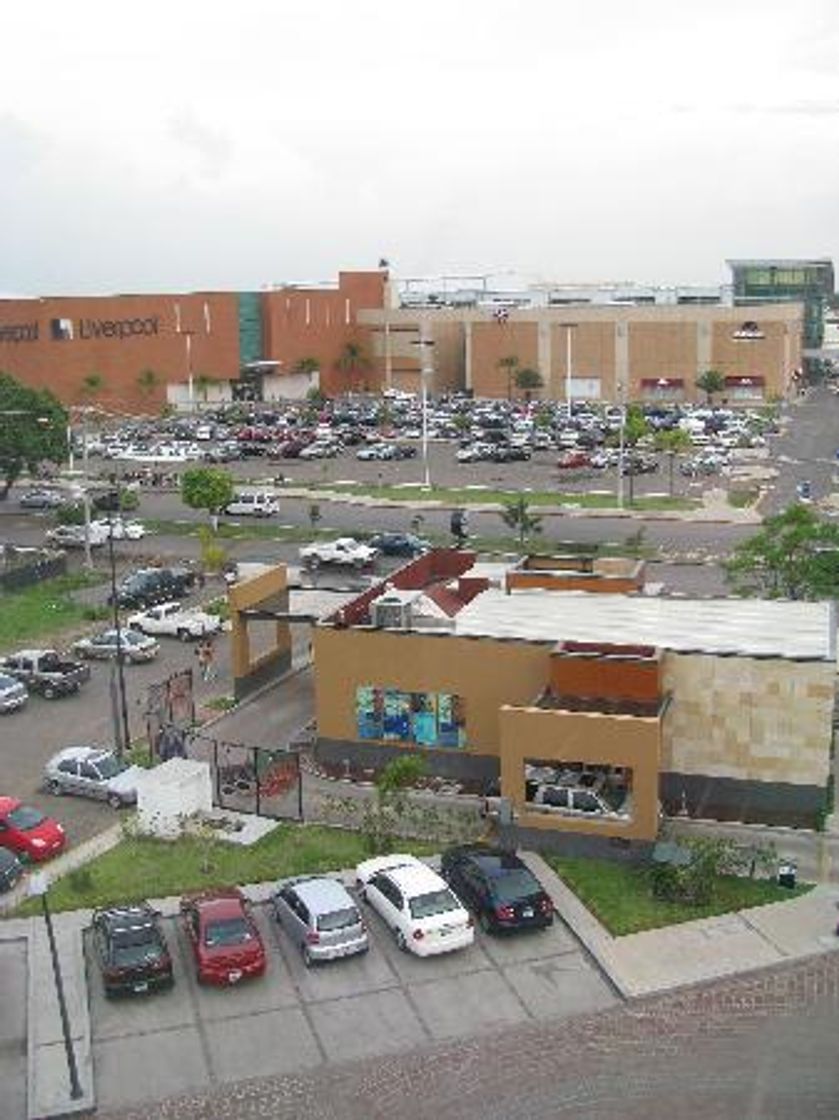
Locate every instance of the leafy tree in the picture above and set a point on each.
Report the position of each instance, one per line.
(384, 812)
(148, 381)
(516, 515)
(316, 396)
(203, 383)
(528, 380)
(676, 440)
(509, 365)
(710, 381)
(213, 553)
(352, 361)
(209, 488)
(33, 430)
(695, 881)
(795, 555)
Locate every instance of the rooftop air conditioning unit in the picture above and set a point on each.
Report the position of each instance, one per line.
(391, 614)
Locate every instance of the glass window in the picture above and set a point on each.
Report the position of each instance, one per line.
(427, 718)
(231, 931)
(436, 902)
(24, 818)
(339, 919)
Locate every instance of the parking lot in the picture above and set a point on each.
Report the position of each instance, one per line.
(296, 1018)
(13, 971)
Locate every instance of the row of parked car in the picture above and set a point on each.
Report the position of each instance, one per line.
(426, 913)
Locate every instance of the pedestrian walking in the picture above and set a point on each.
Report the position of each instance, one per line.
(207, 660)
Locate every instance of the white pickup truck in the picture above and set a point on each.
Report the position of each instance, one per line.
(344, 552)
(175, 620)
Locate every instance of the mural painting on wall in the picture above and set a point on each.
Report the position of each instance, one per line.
(429, 719)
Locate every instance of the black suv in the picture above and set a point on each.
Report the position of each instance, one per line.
(154, 585)
(131, 950)
(497, 887)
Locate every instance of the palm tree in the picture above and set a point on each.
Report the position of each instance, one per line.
(510, 365)
(352, 360)
(92, 384)
(528, 380)
(710, 381)
(147, 381)
(307, 366)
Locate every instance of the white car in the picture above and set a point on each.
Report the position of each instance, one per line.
(345, 551)
(416, 904)
(175, 620)
(123, 530)
(72, 536)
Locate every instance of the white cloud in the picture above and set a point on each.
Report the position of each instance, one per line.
(211, 145)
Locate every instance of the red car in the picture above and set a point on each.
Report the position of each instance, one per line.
(223, 935)
(28, 832)
(570, 460)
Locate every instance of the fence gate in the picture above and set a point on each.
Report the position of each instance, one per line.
(249, 779)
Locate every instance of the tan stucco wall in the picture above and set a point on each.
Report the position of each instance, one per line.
(267, 589)
(485, 674)
(756, 719)
(533, 733)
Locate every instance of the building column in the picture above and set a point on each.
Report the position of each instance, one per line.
(704, 353)
(467, 354)
(622, 371)
(543, 354)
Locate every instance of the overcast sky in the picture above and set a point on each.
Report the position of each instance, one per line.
(188, 145)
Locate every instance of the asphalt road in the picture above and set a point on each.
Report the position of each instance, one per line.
(758, 1047)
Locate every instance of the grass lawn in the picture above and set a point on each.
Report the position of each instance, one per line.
(473, 496)
(42, 609)
(620, 896)
(142, 868)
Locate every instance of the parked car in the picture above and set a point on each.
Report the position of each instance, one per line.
(93, 772)
(376, 452)
(398, 544)
(321, 918)
(13, 694)
(176, 621)
(577, 801)
(41, 499)
(130, 949)
(122, 529)
(497, 887)
(28, 832)
(46, 672)
(73, 536)
(11, 870)
(225, 940)
(148, 586)
(254, 504)
(415, 903)
(573, 460)
(131, 645)
(343, 552)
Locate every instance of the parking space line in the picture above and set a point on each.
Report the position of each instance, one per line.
(276, 936)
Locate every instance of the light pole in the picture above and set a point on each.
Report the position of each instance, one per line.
(425, 344)
(38, 887)
(569, 328)
(621, 442)
(122, 736)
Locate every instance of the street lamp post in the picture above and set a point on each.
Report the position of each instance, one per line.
(38, 887)
(425, 344)
(122, 736)
(621, 442)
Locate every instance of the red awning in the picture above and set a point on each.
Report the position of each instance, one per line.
(744, 382)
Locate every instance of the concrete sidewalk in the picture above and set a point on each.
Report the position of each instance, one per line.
(643, 964)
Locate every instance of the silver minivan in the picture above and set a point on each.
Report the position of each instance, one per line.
(321, 918)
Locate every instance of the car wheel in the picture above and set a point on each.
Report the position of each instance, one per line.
(361, 890)
(307, 957)
(114, 800)
(49, 692)
(401, 943)
(54, 787)
(184, 635)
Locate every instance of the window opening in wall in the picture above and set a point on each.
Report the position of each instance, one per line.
(578, 789)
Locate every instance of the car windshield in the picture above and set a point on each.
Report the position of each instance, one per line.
(25, 818)
(134, 946)
(230, 931)
(436, 902)
(517, 883)
(109, 766)
(338, 919)
(8, 682)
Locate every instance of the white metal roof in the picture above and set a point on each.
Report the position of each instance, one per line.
(749, 627)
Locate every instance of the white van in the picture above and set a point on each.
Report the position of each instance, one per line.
(256, 503)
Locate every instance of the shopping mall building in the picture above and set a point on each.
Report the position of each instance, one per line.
(366, 332)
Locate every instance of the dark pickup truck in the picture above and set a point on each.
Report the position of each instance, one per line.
(46, 672)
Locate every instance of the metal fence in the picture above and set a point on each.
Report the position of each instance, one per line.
(248, 779)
